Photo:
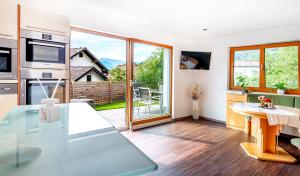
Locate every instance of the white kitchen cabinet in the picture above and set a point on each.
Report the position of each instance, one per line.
(34, 19)
(8, 102)
(8, 19)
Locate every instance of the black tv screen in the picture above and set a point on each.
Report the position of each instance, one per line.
(195, 60)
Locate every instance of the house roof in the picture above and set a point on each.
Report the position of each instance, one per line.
(78, 72)
(75, 51)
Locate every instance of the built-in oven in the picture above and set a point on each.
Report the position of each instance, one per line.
(35, 93)
(44, 50)
(32, 79)
(8, 59)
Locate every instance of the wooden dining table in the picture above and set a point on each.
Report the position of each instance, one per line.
(265, 147)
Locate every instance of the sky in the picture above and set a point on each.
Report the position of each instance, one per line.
(104, 47)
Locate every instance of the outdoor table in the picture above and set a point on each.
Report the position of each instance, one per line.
(160, 93)
(91, 102)
(265, 147)
(78, 143)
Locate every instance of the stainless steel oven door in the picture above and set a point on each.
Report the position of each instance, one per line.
(8, 59)
(40, 50)
(45, 52)
(32, 92)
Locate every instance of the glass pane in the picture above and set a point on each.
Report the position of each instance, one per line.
(246, 64)
(281, 65)
(3, 64)
(36, 94)
(151, 93)
(43, 53)
(98, 73)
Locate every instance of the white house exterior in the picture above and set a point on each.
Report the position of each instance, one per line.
(94, 77)
(86, 67)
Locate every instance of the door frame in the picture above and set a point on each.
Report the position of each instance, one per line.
(129, 74)
(144, 121)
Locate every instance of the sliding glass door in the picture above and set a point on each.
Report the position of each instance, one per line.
(127, 81)
(150, 82)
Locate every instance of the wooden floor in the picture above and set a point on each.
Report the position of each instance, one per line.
(202, 148)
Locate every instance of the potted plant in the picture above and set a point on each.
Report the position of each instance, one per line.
(196, 91)
(243, 83)
(281, 87)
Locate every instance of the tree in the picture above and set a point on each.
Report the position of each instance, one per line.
(281, 65)
(150, 72)
(117, 74)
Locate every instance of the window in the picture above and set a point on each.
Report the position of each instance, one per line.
(265, 65)
(281, 64)
(246, 63)
(88, 78)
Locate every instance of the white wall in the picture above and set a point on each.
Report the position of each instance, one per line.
(84, 61)
(215, 81)
(94, 77)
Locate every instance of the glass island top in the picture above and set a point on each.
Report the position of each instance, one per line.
(75, 141)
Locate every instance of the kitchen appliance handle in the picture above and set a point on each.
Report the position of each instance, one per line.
(4, 52)
(46, 44)
(48, 81)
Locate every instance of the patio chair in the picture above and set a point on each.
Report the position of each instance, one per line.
(145, 98)
(136, 94)
(136, 98)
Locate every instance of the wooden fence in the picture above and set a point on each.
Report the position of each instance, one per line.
(101, 92)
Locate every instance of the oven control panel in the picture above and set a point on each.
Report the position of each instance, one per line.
(8, 89)
(46, 75)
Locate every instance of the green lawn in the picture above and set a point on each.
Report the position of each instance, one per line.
(113, 105)
(116, 105)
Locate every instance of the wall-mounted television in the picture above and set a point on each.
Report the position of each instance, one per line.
(195, 60)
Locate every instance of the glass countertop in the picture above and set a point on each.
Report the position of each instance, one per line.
(74, 141)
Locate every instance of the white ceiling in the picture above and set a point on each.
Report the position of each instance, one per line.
(188, 17)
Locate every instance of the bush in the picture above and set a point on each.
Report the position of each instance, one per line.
(117, 74)
(150, 72)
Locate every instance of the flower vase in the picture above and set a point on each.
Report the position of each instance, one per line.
(262, 104)
(195, 109)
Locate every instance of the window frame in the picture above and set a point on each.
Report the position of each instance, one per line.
(87, 78)
(262, 81)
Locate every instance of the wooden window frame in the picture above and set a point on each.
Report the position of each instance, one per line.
(165, 116)
(262, 81)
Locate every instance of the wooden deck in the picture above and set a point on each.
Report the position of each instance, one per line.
(116, 117)
(205, 148)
